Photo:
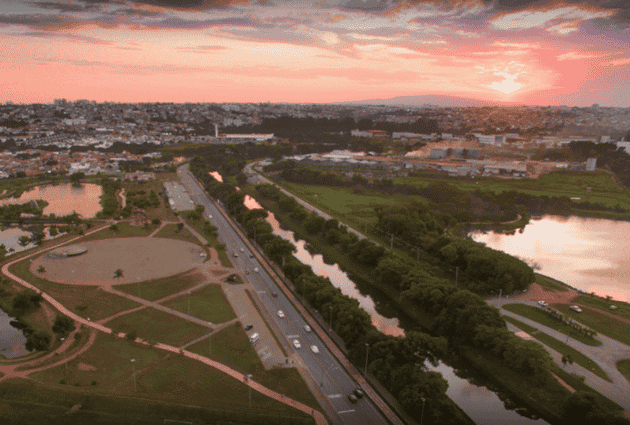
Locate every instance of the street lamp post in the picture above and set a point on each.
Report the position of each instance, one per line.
(135, 385)
(422, 416)
(189, 303)
(210, 340)
(250, 390)
(367, 351)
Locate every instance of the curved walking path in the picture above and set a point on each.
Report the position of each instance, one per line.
(318, 416)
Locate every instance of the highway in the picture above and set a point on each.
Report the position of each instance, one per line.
(335, 382)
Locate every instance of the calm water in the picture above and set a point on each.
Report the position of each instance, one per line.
(11, 339)
(63, 199)
(588, 254)
(482, 405)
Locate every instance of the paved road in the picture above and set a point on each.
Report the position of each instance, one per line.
(605, 356)
(325, 368)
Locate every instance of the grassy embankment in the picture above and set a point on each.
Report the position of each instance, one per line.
(121, 230)
(213, 241)
(106, 370)
(208, 303)
(602, 323)
(560, 347)
(622, 310)
(537, 314)
(170, 231)
(624, 368)
(551, 284)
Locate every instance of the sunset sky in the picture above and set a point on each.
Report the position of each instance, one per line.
(543, 52)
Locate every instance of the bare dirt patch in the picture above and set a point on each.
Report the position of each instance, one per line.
(86, 367)
(140, 259)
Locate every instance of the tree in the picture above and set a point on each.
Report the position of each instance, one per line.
(41, 269)
(118, 274)
(578, 405)
(180, 226)
(75, 178)
(156, 222)
(25, 301)
(24, 240)
(277, 249)
(63, 326)
(39, 341)
(567, 359)
(113, 227)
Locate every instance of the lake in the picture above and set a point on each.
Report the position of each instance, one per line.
(63, 199)
(588, 254)
(11, 339)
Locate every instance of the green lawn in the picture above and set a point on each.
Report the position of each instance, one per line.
(551, 284)
(539, 315)
(208, 303)
(624, 368)
(156, 289)
(560, 347)
(232, 348)
(170, 231)
(601, 323)
(623, 309)
(86, 301)
(125, 230)
(156, 326)
(555, 184)
(213, 241)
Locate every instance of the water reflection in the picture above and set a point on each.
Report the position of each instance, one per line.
(64, 199)
(338, 277)
(11, 339)
(588, 254)
(216, 176)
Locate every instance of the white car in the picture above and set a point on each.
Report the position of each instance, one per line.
(576, 309)
(256, 269)
(613, 307)
(314, 349)
(296, 343)
(280, 314)
(543, 304)
(307, 328)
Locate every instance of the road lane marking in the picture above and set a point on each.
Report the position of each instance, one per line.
(293, 336)
(346, 411)
(331, 396)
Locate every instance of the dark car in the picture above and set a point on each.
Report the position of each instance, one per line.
(248, 327)
(359, 392)
(353, 398)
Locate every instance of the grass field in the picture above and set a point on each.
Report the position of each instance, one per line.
(623, 309)
(125, 230)
(208, 303)
(538, 315)
(601, 323)
(624, 368)
(556, 184)
(550, 284)
(156, 289)
(560, 347)
(156, 326)
(86, 301)
(163, 212)
(232, 348)
(170, 231)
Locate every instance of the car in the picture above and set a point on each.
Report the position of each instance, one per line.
(359, 392)
(191, 201)
(581, 291)
(576, 309)
(543, 304)
(353, 399)
(307, 328)
(296, 343)
(613, 307)
(248, 327)
(203, 255)
(251, 255)
(236, 254)
(314, 349)
(242, 250)
(246, 271)
(256, 269)
(280, 314)
(274, 294)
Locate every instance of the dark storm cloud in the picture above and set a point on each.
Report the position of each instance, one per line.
(192, 4)
(32, 20)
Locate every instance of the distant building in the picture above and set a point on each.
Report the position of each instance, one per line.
(438, 153)
(624, 145)
(368, 133)
(591, 164)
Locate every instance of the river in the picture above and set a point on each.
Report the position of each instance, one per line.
(482, 405)
(588, 254)
(64, 199)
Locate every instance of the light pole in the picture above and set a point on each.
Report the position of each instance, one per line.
(330, 328)
(367, 351)
(135, 385)
(422, 416)
(250, 390)
(210, 340)
(189, 303)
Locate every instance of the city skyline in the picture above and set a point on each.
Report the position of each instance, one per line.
(572, 52)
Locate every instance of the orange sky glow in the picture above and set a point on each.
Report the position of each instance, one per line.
(572, 52)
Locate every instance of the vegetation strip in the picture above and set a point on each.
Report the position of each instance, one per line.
(604, 324)
(561, 348)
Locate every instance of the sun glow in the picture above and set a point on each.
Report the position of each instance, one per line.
(508, 85)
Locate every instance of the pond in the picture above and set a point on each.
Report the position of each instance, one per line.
(64, 199)
(11, 339)
(588, 254)
(483, 405)
(10, 236)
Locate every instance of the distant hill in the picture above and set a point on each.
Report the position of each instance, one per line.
(430, 101)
